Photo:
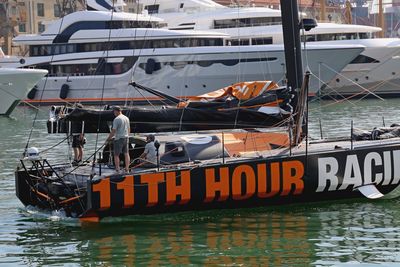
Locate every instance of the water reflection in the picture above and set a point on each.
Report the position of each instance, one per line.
(299, 236)
(230, 238)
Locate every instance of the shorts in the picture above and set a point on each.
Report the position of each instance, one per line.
(77, 142)
(121, 146)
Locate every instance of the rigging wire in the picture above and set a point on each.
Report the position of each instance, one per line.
(41, 95)
(106, 52)
(139, 53)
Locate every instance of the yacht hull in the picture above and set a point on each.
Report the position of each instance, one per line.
(14, 85)
(377, 75)
(330, 171)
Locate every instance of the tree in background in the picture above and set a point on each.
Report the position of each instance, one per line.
(69, 6)
(7, 26)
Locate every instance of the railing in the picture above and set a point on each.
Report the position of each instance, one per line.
(240, 25)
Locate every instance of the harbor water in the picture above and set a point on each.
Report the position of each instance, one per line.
(355, 233)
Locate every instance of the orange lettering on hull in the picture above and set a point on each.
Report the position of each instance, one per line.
(246, 172)
(128, 186)
(173, 190)
(103, 187)
(152, 180)
(274, 180)
(213, 186)
(293, 172)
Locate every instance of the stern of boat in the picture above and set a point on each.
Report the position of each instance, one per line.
(41, 185)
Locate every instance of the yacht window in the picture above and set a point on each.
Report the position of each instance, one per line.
(204, 63)
(86, 48)
(43, 51)
(169, 43)
(90, 69)
(261, 41)
(131, 44)
(70, 48)
(246, 22)
(360, 59)
(114, 24)
(364, 35)
(195, 42)
(207, 63)
(176, 44)
(185, 42)
(230, 62)
(56, 49)
(334, 36)
(34, 51)
(235, 42)
(152, 9)
(63, 49)
(148, 44)
(182, 28)
(309, 38)
(187, 24)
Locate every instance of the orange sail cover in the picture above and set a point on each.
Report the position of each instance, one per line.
(242, 90)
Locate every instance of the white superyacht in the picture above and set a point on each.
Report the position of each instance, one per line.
(374, 71)
(92, 56)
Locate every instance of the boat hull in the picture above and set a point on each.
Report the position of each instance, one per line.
(14, 85)
(264, 181)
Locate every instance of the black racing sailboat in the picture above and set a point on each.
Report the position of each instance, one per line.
(216, 169)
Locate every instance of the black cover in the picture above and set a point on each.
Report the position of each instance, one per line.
(222, 114)
(377, 133)
(164, 120)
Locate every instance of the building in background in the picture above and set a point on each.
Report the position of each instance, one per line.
(33, 16)
(30, 17)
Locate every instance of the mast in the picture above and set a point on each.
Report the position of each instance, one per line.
(291, 41)
(294, 65)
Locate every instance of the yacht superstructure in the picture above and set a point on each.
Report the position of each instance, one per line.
(92, 56)
(369, 73)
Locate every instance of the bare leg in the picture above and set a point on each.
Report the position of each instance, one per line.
(80, 154)
(76, 154)
(127, 161)
(116, 160)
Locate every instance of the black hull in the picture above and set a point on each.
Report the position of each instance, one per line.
(166, 120)
(277, 180)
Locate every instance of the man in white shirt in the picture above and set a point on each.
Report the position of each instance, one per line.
(120, 130)
(149, 156)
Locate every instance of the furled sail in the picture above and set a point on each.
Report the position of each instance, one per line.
(254, 104)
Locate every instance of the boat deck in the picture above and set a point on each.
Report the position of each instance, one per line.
(80, 175)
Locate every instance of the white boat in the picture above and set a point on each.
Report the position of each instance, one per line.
(15, 84)
(92, 56)
(374, 71)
